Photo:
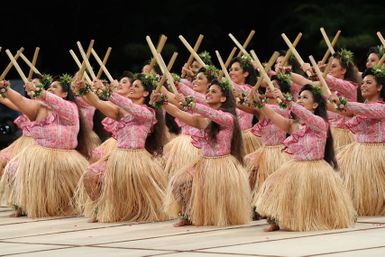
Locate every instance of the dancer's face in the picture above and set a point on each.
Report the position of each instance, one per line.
(136, 90)
(372, 60)
(369, 87)
(123, 87)
(306, 100)
(336, 69)
(200, 83)
(215, 96)
(237, 74)
(57, 89)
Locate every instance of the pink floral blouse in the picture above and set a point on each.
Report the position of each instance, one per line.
(87, 111)
(307, 143)
(23, 122)
(133, 129)
(270, 134)
(222, 146)
(60, 128)
(368, 124)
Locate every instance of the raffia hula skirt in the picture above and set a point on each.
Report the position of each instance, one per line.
(46, 180)
(250, 141)
(13, 149)
(341, 138)
(262, 163)
(214, 191)
(178, 153)
(306, 196)
(133, 188)
(362, 168)
(104, 149)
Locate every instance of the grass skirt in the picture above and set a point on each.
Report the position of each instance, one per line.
(262, 163)
(178, 153)
(250, 141)
(46, 180)
(214, 191)
(133, 186)
(13, 149)
(341, 138)
(362, 168)
(306, 196)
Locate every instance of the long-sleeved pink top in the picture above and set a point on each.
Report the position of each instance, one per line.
(23, 122)
(308, 143)
(343, 88)
(368, 124)
(225, 120)
(135, 126)
(271, 134)
(61, 126)
(87, 111)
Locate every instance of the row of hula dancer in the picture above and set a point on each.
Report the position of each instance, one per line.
(300, 144)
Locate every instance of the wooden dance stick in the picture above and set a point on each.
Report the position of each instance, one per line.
(231, 56)
(106, 56)
(30, 65)
(294, 51)
(267, 68)
(79, 64)
(324, 87)
(85, 59)
(34, 59)
(172, 61)
(327, 41)
(161, 64)
(9, 66)
(381, 61)
(159, 48)
(191, 50)
(264, 73)
(288, 53)
(381, 38)
(83, 66)
(196, 47)
(334, 41)
(328, 66)
(243, 50)
(110, 78)
(247, 42)
(224, 70)
(14, 62)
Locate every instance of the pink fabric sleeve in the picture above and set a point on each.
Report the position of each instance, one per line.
(344, 87)
(136, 110)
(373, 111)
(187, 91)
(224, 119)
(311, 120)
(65, 109)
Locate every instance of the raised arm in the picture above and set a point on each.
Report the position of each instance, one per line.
(373, 111)
(311, 120)
(224, 119)
(280, 121)
(9, 104)
(187, 91)
(190, 119)
(344, 87)
(24, 105)
(65, 109)
(138, 111)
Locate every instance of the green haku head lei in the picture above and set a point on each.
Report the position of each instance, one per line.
(346, 56)
(381, 50)
(65, 80)
(378, 71)
(225, 85)
(317, 90)
(284, 77)
(246, 61)
(46, 80)
(211, 72)
(150, 80)
(206, 58)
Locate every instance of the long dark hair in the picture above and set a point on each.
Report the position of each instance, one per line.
(246, 67)
(213, 128)
(84, 134)
(156, 139)
(321, 111)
